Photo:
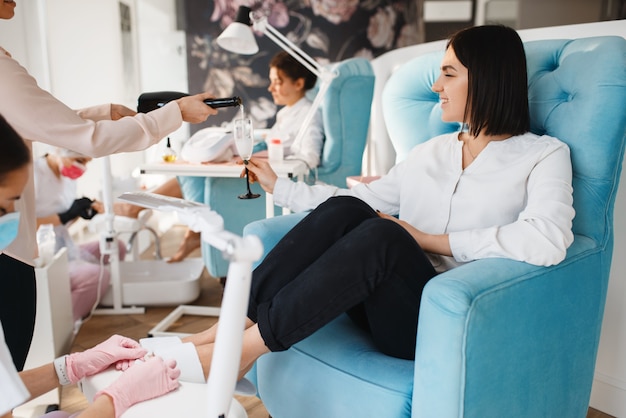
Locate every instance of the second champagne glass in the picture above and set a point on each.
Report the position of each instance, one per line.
(244, 140)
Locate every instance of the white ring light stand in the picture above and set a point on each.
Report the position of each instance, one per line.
(215, 399)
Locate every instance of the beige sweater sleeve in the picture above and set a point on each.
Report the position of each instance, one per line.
(39, 116)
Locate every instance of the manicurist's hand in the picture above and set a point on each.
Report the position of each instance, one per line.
(96, 359)
(193, 108)
(146, 380)
(261, 172)
(97, 206)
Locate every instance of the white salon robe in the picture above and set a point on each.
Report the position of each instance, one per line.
(14, 393)
(289, 119)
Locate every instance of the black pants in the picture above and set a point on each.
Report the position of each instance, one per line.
(18, 303)
(342, 257)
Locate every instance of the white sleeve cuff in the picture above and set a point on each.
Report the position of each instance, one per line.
(460, 245)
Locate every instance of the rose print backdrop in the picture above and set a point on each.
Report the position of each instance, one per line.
(327, 30)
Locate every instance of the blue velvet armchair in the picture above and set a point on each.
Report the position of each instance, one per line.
(496, 338)
(345, 113)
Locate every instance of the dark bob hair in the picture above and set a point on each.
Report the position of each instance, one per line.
(293, 69)
(497, 101)
(15, 154)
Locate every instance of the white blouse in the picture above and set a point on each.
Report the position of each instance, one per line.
(288, 122)
(513, 201)
(52, 194)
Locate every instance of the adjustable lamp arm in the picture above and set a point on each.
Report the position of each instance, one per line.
(262, 25)
(259, 22)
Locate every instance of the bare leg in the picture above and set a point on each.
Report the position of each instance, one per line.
(191, 242)
(169, 188)
(253, 348)
(208, 336)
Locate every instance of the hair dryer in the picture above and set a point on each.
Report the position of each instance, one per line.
(157, 99)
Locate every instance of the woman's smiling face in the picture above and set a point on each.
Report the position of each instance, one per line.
(452, 87)
(7, 9)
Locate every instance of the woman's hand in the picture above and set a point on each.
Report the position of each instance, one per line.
(436, 244)
(119, 111)
(97, 206)
(260, 171)
(194, 110)
(146, 380)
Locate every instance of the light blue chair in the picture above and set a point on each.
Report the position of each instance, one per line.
(497, 338)
(345, 112)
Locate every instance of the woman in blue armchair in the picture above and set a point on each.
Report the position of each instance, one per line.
(492, 189)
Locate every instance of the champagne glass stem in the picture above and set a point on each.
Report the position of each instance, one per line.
(248, 181)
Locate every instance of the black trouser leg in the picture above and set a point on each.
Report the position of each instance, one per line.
(18, 304)
(338, 257)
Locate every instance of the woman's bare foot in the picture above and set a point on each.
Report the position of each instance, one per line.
(191, 241)
(126, 209)
(253, 347)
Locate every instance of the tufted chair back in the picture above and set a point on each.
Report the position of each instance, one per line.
(573, 88)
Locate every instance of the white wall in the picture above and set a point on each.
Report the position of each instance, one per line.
(162, 57)
(22, 36)
(86, 60)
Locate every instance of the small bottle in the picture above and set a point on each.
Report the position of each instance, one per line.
(46, 243)
(169, 155)
(275, 151)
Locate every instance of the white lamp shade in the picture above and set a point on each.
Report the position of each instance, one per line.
(238, 38)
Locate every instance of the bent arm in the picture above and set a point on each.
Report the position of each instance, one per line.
(40, 380)
(543, 229)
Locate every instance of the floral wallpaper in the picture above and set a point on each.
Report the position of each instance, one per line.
(327, 30)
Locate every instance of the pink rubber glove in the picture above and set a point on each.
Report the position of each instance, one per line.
(143, 381)
(100, 357)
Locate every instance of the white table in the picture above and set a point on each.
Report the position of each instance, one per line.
(287, 168)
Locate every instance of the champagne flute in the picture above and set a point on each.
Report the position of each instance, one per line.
(244, 140)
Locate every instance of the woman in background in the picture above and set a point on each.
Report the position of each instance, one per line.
(289, 83)
(57, 204)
